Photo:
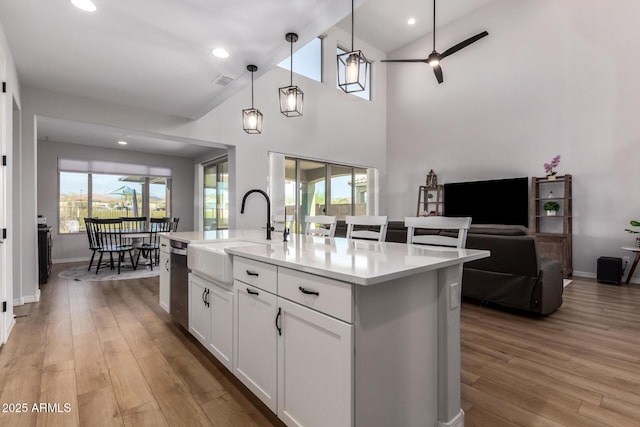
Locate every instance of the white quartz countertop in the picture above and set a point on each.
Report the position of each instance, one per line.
(214, 235)
(356, 261)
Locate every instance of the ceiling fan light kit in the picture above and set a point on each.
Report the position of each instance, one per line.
(291, 97)
(252, 117)
(353, 67)
(435, 58)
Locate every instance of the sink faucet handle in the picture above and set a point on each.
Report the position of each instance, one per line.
(285, 234)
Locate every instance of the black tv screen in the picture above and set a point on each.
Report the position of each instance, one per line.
(499, 201)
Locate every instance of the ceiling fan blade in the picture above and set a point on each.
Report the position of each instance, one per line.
(403, 60)
(438, 72)
(463, 44)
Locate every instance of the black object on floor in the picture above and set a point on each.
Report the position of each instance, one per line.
(609, 270)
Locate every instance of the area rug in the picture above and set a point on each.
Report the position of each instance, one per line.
(566, 282)
(105, 273)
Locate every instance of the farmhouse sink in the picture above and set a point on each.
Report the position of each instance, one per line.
(211, 261)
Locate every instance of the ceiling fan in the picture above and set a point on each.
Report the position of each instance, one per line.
(434, 57)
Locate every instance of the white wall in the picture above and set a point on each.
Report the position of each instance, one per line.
(553, 77)
(7, 134)
(74, 247)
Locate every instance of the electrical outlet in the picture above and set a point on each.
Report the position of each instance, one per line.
(625, 262)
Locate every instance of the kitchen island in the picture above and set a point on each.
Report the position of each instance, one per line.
(330, 331)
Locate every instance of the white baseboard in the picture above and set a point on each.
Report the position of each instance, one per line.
(31, 298)
(457, 421)
(65, 260)
(589, 275)
(586, 274)
(18, 301)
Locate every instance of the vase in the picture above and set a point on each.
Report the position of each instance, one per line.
(551, 177)
(551, 213)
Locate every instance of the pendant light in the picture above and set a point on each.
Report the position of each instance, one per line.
(352, 67)
(291, 97)
(252, 117)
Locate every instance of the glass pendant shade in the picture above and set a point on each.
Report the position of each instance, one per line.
(352, 67)
(291, 97)
(252, 117)
(291, 101)
(352, 71)
(252, 120)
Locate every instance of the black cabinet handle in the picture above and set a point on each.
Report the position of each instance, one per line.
(252, 273)
(203, 292)
(308, 292)
(166, 265)
(206, 297)
(250, 292)
(277, 323)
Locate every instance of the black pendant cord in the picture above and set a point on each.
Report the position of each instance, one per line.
(252, 90)
(291, 67)
(434, 25)
(352, 27)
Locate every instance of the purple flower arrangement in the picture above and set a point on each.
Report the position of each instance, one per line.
(549, 167)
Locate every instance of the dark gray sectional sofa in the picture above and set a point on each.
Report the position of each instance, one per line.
(514, 276)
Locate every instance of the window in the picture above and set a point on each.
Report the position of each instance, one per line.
(216, 195)
(366, 93)
(307, 61)
(320, 188)
(83, 194)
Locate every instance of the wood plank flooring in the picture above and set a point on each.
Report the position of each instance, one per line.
(108, 350)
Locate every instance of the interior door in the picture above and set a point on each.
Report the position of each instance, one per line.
(4, 134)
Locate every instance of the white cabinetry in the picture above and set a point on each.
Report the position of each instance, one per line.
(165, 274)
(297, 360)
(315, 374)
(211, 317)
(256, 341)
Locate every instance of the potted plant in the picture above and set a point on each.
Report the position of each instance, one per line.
(628, 230)
(552, 208)
(549, 168)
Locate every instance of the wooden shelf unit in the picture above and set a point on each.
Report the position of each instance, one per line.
(433, 206)
(554, 233)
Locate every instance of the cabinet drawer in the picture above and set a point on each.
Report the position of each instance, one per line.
(319, 293)
(256, 273)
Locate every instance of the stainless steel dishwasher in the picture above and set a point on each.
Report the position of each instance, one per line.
(179, 284)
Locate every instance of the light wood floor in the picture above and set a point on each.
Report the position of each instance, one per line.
(110, 351)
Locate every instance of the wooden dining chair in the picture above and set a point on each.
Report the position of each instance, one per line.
(363, 227)
(435, 224)
(174, 224)
(93, 240)
(151, 249)
(321, 225)
(109, 237)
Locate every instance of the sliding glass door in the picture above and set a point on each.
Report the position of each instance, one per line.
(319, 188)
(216, 195)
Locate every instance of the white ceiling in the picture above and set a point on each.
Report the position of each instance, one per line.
(383, 23)
(57, 130)
(156, 56)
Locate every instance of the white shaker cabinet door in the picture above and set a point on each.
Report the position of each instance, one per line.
(221, 342)
(315, 368)
(165, 280)
(256, 341)
(199, 313)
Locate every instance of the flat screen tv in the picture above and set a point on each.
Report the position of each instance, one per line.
(499, 201)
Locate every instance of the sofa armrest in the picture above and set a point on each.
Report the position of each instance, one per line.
(552, 285)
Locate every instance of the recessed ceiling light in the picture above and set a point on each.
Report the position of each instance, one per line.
(122, 142)
(411, 21)
(220, 52)
(86, 5)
